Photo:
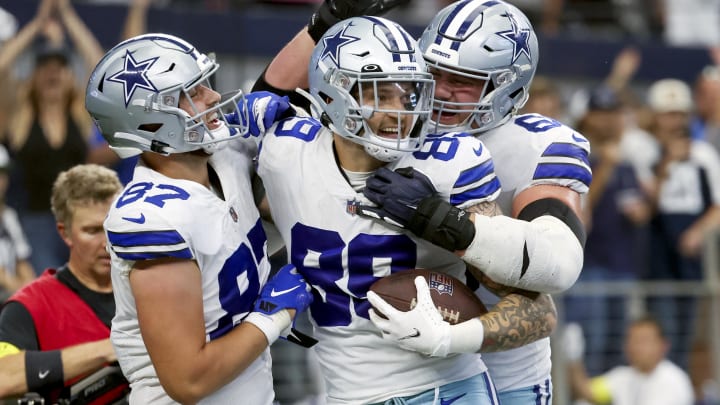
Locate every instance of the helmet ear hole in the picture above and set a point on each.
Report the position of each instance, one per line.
(150, 127)
(325, 97)
(101, 84)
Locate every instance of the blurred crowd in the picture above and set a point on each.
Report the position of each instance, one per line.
(677, 22)
(654, 199)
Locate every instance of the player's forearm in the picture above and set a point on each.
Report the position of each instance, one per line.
(540, 255)
(195, 375)
(289, 69)
(517, 320)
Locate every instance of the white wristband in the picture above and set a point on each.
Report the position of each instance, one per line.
(270, 325)
(466, 337)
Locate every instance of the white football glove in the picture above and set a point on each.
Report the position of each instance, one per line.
(422, 329)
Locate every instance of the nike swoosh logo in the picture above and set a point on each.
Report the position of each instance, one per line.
(274, 293)
(43, 374)
(578, 138)
(478, 151)
(138, 220)
(451, 400)
(526, 261)
(412, 335)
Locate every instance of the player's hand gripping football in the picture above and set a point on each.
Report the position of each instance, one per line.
(422, 329)
(260, 110)
(286, 290)
(407, 198)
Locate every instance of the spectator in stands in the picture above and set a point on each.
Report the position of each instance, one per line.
(100, 152)
(689, 23)
(15, 269)
(637, 146)
(705, 124)
(8, 28)
(57, 328)
(616, 211)
(686, 197)
(593, 17)
(48, 130)
(545, 99)
(648, 379)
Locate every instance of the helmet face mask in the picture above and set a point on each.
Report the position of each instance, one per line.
(372, 86)
(491, 43)
(135, 93)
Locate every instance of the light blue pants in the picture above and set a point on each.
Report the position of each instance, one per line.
(477, 390)
(540, 394)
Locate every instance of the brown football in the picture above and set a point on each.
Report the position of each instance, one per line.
(455, 301)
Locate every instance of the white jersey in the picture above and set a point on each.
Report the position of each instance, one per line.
(158, 217)
(341, 254)
(530, 150)
(667, 384)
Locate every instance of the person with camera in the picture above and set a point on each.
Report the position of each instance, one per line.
(56, 330)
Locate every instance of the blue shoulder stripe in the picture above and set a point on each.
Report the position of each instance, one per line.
(145, 238)
(178, 254)
(569, 150)
(482, 192)
(474, 174)
(563, 171)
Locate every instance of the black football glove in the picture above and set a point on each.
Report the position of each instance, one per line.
(334, 11)
(407, 198)
(397, 194)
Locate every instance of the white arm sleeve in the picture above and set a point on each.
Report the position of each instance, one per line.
(542, 255)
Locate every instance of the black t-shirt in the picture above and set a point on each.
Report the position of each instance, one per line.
(17, 326)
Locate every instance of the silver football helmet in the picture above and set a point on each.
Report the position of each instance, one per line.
(134, 94)
(491, 41)
(365, 66)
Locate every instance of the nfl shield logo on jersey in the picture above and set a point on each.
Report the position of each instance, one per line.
(352, 207)
(441, 283)
(233, 214)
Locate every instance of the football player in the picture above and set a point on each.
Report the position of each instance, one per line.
(195, 315)
(483, 56)
(542, 165)
(371, 100)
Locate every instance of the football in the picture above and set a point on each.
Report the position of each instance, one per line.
(455, 301)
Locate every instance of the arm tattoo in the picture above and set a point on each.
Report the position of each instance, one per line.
(519, 318)
(487, 208)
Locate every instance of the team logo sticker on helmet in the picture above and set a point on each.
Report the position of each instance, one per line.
(335, 42)
(519, 38)
(134, 75)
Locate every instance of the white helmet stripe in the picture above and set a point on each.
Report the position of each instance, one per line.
(457, 23)
(398, 40)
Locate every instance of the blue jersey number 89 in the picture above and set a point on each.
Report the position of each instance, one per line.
(318, 256)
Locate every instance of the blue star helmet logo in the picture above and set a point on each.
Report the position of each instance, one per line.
(335, 42)
(134, 75)
(519, 38)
